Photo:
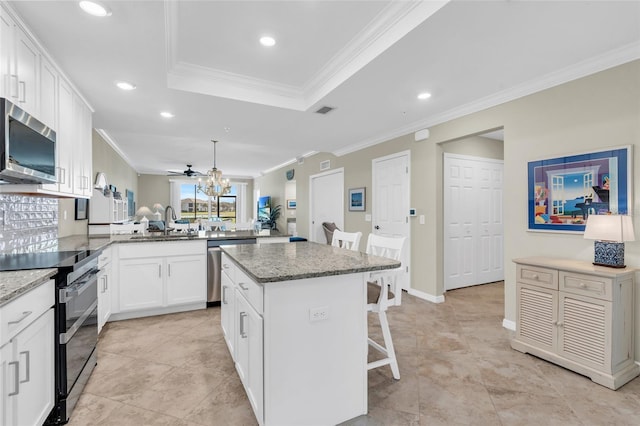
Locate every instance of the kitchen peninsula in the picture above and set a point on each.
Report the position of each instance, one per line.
(295, 322)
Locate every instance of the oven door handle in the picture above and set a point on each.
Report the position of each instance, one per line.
(76, 290)
(65, 337)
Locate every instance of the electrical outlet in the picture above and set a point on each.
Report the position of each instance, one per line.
(319, 314)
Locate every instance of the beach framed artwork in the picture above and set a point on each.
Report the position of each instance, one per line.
(564, 191)
(357, 201)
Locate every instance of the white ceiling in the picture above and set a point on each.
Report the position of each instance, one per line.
(202, 61)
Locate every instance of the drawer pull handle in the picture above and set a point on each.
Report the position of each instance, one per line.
(534, 276)
(582, 285)
(27, 355)
(16, 378)
(242, 286)
(243, 334)
(224, 295)
(25, 314)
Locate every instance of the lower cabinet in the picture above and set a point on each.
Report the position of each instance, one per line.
(154, 278)
(105, 278)
(248, 351)
(579, 316)
(227, 307)
(27, 361)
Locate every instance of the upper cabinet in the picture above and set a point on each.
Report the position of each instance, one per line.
(29, 79)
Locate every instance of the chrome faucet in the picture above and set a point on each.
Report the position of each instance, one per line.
(166, 218)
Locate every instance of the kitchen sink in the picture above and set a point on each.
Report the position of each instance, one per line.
(162, 236)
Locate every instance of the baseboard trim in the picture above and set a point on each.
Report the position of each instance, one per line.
(426, 296)
(508, 324)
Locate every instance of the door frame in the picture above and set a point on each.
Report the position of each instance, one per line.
(407, 247)
(452, 155)
(311, 206)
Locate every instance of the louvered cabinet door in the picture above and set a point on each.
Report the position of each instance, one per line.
(584, 330)
(537, 310)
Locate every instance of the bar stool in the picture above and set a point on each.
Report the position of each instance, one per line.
(347, 240)
(382, 292)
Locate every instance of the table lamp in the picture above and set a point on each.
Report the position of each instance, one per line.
(610, 232)
(144, 213)
(158, 211)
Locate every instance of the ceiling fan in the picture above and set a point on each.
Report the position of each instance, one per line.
(188, 173)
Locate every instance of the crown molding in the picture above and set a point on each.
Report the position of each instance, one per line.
(389, 26)
(613, 58)
(108, 139)
(288, 162)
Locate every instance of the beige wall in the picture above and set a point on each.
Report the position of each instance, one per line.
(601, 110)
(475, 146)
(118, 172)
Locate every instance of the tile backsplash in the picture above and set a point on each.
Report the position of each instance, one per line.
(27, 223)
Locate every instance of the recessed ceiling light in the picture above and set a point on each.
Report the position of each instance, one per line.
(167, 114)
(95, 8)
(424, 95)
(125, 85)
(267, 41)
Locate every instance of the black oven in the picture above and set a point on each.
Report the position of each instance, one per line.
(76, 333)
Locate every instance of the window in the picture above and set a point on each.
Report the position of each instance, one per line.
(195, 205)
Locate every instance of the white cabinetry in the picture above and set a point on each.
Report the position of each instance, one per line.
(291, 365)
(159, 277)
(29, 79)
(579, 316)
(104, 287)
(27, 358)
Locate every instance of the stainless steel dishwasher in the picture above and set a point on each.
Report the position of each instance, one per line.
(214, 267)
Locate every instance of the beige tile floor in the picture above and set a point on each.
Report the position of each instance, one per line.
(455, 362)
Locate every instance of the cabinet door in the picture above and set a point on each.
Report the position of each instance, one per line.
(227, 307)
(249, 353)
(7, 51)
(27, 71)
(140, 284)
(186, 279)
(104, 297)
(8, 384)
(86, 141)
(48, 94)
(65, 137)
(537, 315)
(35, 357)
(584, 326)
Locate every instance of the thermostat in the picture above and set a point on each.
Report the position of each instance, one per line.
(412, 212)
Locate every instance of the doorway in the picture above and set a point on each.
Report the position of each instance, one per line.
(326, 202)
(473, 221)
(390, 204)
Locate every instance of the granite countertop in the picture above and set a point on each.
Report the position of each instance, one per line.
(183, 236)
(294, 261)
(15, 283)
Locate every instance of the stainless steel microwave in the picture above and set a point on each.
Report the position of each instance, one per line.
(28, 147)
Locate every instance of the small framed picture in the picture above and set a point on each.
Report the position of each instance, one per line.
(357, 202)
(81, 208)
(291, 204)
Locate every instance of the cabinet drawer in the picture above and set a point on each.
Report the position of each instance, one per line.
(161, 248)
(586, 285)
(19, 313)
(534, 275)
(105, 258)
(228, 267)
(251, 290)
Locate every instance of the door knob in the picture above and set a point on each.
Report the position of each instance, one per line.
(376, 227)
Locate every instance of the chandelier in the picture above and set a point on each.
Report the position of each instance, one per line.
(214, 184)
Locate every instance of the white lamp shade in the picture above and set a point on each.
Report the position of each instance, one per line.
(144, 211)
(617, 228)
(158, 207)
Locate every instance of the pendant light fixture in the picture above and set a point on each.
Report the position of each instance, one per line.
(214, 185)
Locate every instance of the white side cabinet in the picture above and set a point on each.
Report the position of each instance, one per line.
(104, 287)
(159, 277)
(27, 358)
(579, 316)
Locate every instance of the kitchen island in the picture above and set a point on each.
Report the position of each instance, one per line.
(295, 321)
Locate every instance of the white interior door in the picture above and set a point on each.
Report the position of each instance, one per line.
(473, 222)
(390, 203)
(326, 202)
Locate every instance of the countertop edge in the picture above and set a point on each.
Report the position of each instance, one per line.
(42, 276)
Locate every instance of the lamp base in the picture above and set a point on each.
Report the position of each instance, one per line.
(610, 254)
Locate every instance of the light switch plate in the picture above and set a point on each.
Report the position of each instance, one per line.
(367, 218)
(421, 219)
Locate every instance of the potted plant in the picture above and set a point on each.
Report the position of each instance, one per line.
(273, 217)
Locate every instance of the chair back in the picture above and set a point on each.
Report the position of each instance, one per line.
(328, 228)
(347, 240)
(390, 247)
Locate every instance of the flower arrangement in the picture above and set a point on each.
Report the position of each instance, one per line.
(540, 194)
